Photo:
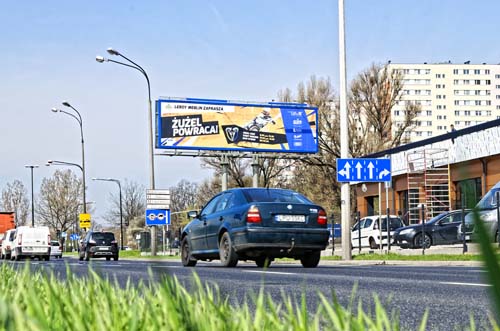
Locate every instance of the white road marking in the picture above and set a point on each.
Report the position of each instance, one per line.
(271, 272)
(166, 266)
(465, 284)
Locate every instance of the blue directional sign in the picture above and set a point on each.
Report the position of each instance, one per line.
(363, 170)
(74, 236)
(157, 217)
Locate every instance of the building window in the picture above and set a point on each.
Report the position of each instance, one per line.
(477, 71)
(467, 123)
(498, 107)
(457, 122)
(466, 71)
(498, 96)
(477, 82)
(429, 112)
(455, 71)
(457, 113)
(396, 113)
(429, 123)
(488, 102)
(497, 86)
(439, 117)
(487, 71)
(488, 82)
(440, 127)
(488, 113)
(497, 76)
(478, 113)
(466, 112)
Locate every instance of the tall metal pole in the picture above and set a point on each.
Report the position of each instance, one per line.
(32, 195)
(344, 140)
(137, 67)
(121, 215)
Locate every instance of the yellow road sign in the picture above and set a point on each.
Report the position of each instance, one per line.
(84, 220)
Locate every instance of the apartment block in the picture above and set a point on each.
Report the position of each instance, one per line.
(448, 93)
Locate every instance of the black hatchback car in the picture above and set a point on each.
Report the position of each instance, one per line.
(256, 224)
(440, 230)
(99, 244)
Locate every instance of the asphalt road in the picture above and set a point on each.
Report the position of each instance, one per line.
(451, 293)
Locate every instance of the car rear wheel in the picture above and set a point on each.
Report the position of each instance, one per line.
(228, 256)
(186, 258)
(420, 241)
(311, 260)
(46, 257)
(373, 245)
(115, 257)
(86, 256)
(108, 258)
(263, 262)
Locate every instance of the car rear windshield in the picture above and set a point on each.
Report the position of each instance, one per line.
(54, 243)
(108, 237)
(275, 196)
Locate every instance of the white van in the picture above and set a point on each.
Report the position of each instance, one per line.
(7, 243)
(31, 242)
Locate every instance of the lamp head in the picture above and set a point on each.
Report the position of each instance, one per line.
(55, 110)
(100, 59)
(66, 103)
(111, 51)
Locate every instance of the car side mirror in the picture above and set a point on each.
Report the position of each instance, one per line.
(192, 214)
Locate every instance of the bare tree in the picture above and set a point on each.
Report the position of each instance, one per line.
(133, 204)
(374, 92)
(15, 199)
(59, 200)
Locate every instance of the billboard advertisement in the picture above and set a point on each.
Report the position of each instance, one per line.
(198, 124)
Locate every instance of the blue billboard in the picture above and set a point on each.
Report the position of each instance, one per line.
(199, 124)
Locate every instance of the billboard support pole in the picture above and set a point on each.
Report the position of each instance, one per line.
(224, 163)
(255, 168)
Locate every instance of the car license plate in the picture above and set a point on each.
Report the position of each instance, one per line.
(291, 218)
(103, 248)
(467, 237)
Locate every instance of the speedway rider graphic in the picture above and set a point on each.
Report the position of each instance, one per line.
(260, 121)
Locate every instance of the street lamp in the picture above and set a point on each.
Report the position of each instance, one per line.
(32, 195)
(133, 65)
(121, 209)
(78, 118)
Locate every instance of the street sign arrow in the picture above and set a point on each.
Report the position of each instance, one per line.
(370, 170)
(383, 173)
(358, 168)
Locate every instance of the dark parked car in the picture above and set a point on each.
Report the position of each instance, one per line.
(256, 224)
(99, 244)
(440, 230)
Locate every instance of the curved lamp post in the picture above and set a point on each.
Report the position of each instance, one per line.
(32, 166)
(121, 209)
(78, 118)
(133, 65)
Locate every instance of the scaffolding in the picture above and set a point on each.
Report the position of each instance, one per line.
(428, 176)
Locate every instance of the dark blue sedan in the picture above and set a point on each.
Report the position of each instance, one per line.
(256, 224)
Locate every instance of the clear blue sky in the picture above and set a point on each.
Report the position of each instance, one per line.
(240, 50)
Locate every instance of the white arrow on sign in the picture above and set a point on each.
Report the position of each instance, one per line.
(345, 172)
(370, 170)
(359, 167)
(383, 173)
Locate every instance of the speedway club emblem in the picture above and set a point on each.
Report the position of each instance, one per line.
(232, 133)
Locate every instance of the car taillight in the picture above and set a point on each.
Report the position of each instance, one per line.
(253, 215)
(48, 239)
(113, 242)
(322, 219)
(20, 239)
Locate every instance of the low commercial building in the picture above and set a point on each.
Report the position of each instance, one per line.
(446, 172)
